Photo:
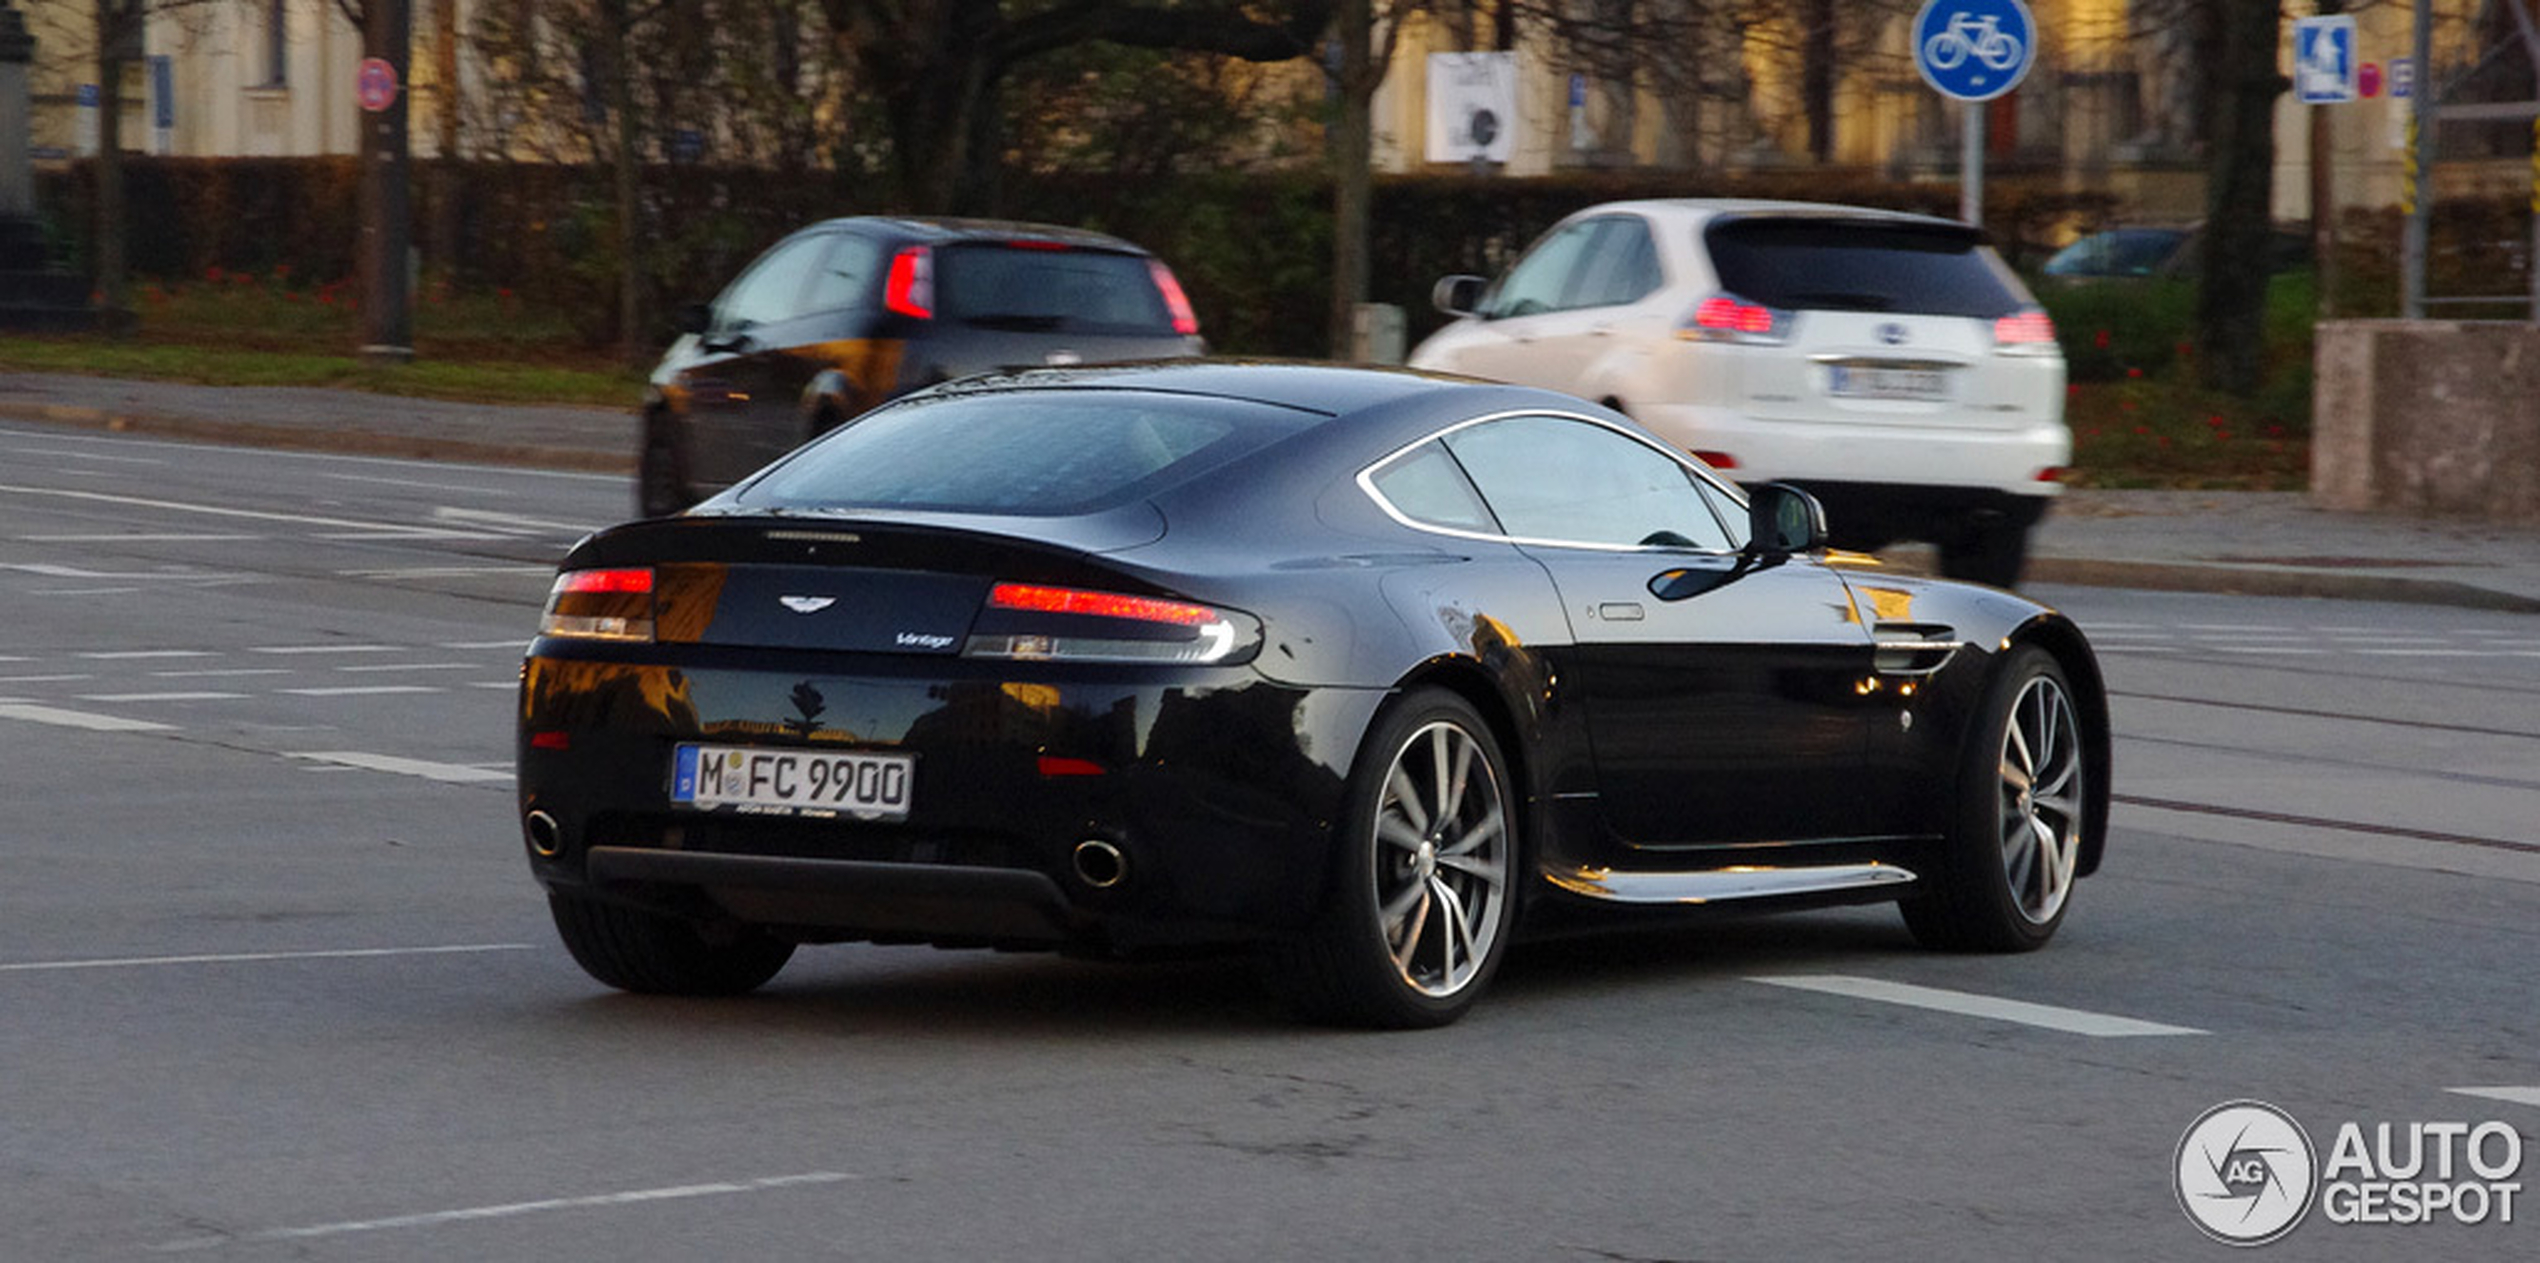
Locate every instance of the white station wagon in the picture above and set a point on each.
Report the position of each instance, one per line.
(1891, 364)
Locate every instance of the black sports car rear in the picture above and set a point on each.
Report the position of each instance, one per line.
(1354, 667)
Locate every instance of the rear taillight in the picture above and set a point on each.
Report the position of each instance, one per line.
(1729, 318)
(1185, 321)
(910, 291)
(600, 605)
(1044, 623)
(2028, 330)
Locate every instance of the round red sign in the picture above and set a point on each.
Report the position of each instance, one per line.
(2368, 80)
(375, 84)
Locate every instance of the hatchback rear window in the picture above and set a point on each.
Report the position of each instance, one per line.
(1863, 265)
(1036, 453)
(1027, 288)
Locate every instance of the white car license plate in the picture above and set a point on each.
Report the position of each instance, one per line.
(1853, 381)
(865, 786)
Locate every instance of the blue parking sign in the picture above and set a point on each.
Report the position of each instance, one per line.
(1974, 50)
(2325, 68)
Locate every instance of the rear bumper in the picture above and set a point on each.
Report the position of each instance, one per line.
(1218, 789)
(2007, 461)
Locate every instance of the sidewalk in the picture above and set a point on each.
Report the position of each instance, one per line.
(2261, 543)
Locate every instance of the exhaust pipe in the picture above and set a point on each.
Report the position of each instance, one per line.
(546, 837)
(1100, 864)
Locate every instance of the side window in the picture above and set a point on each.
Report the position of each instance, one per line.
(1541, 279)
(1623, 267)
(772, 289)
(1565, 481)
(1425, 485)
(849, 277)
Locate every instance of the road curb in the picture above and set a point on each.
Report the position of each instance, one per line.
(341, 441)
(2244, 580)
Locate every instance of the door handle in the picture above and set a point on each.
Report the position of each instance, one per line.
(1621, 612)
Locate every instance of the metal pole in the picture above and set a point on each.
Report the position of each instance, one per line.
(2418, 197)
(1971, 165)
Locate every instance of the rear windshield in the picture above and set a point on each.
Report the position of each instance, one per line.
(1857, 265)
(1032, 453)
(1026, 288)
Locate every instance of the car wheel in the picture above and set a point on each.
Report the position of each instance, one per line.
(1986, 552)
(2005, 875)
(657, 954)
(661, 469)
(1420, 913)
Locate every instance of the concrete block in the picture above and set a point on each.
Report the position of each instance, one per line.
(2429, 417)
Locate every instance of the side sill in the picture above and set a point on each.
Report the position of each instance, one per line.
(1745, 882)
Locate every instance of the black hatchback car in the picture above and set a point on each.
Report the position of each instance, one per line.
(848, 313)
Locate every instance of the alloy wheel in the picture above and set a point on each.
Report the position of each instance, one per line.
(1442, 858)
(2041, 799)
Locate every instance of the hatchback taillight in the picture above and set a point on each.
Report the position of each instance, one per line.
(600, 605)
(2030, 330)
(1185, 321)
(1045, 623)
(910, 291)
(1729, 318)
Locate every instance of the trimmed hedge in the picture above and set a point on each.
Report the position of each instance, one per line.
(1253, 249)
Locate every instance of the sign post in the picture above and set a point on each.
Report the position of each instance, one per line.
(1974, 51)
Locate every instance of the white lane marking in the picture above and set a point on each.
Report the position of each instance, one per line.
(117, 460)
(2517, 1096)
(505, 685)
(2051, 1017)
(160, 697)
(212, 673)
(396, 534)
(408, 483)
(77, 719)
(413, 666)
(2423, 653)
(510, 522)
(292, 649)
(51, 571)
(2236, 627)
(211, 510)
(81, 591)
(120, 655)
(432, 1219)
(361, 690)
(516, 643)
(448, 773)
(12, 657)
(442, 572)
(250, 958)
(42, 679)
(133, 538)
(2290, 651)
(190, 452)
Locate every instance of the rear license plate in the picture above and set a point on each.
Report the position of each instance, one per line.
(864, 786)
(1852, 381)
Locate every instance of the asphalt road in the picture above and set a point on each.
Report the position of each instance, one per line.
(274, 983)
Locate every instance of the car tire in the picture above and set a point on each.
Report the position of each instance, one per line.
(1986, 552)
(661, 469)
(2003, 879)
(1424, 896)
(652, 953)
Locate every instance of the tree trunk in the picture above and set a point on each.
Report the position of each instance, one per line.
(2232, 296)
(1817, 77)
(118, 40)
(630, 284)
(1351, 147)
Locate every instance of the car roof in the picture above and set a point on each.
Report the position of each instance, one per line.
(1327, 389)
(1704, 209)
(933, 230)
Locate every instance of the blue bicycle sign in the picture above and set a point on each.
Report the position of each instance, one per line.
(1974, 50)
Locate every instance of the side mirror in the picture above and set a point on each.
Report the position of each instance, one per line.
(693, 318)
(1458, 295)
(1782, 519)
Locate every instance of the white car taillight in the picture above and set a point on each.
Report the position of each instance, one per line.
(1729, 318)
(600, 605)
(1053, 624)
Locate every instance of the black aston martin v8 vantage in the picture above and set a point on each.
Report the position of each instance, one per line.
(1361, 669)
